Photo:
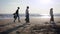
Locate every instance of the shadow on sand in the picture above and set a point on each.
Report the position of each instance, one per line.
(5, 24)
(13, 29)
(56, 27)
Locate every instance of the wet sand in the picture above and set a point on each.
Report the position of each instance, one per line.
(7, 24)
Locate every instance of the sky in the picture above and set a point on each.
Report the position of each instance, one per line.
(35, 6)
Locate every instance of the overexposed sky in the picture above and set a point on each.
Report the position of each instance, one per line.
(35, 6)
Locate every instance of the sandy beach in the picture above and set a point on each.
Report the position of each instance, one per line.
(7, 24)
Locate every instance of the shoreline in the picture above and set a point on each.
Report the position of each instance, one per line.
(32, 20)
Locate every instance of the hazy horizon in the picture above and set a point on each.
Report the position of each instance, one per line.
(35, 6)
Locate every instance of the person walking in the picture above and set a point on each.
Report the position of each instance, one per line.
(16, 14)
(27, 15)
(52, 16)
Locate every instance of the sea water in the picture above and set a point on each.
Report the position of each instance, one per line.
(10, 16)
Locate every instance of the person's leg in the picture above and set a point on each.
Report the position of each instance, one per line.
(18, 19)
(28, 19)
(51, 19)
(15, 19)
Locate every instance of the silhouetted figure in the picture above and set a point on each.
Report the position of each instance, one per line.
(52, 16)
(54, 26)
(16, 15)
(27, 15)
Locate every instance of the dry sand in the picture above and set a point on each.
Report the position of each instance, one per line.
(33, 21)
